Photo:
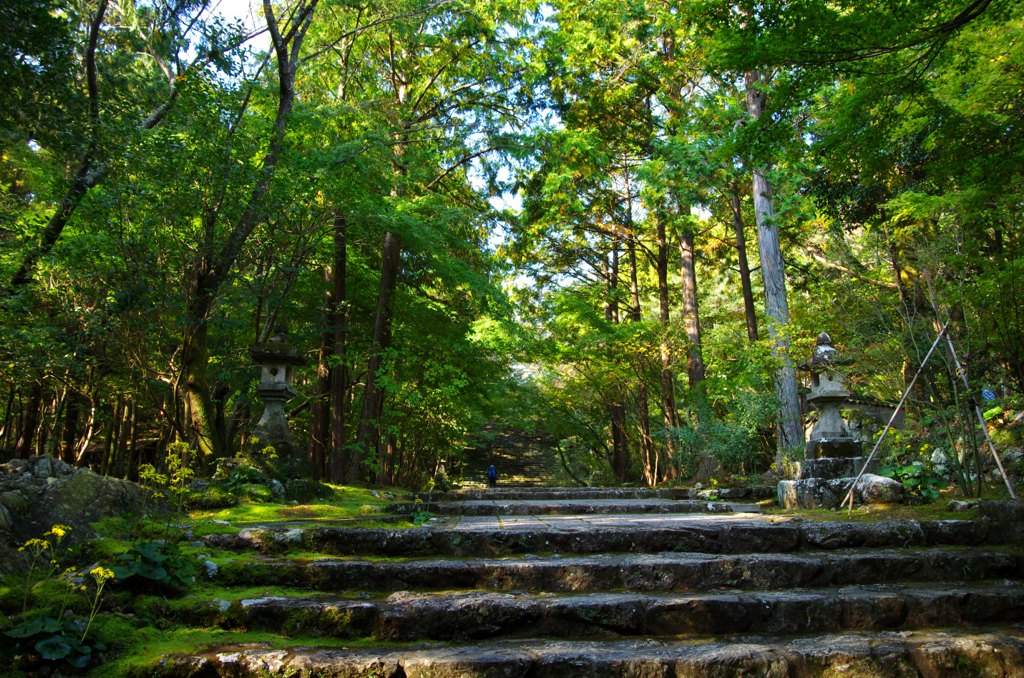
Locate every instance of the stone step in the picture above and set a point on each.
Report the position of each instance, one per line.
(407, 616)
(504, 493)
(566, 507)
(660, 572)
(974, 652)
(493, 537)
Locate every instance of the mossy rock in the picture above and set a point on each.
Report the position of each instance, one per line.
(251, 469)
(257, 493)
(303, 490)
(211, 497)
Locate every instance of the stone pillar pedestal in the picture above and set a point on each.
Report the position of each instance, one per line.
(276, 358)
(272, 428)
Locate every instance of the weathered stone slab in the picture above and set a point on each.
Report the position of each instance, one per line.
(881, 655)
(409, 616)
(528, 507)
(1007, 518)
(708, 534)
(751, 493)
(661, 572)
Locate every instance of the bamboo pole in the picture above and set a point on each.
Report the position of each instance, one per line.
(981, 419)
(888, 425)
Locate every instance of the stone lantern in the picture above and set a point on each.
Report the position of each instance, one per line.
(831, 437)
(276, 357)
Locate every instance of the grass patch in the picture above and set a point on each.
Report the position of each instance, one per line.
(873, 514)
(344, 501)
(142, 654)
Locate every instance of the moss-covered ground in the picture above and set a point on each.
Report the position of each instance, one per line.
(926, 510)
(150, 644)
(141, 621)
(341, 502)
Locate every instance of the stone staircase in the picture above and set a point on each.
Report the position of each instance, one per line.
(521, 459)
(713, 589)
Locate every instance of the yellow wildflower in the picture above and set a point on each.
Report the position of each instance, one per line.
(101, 574)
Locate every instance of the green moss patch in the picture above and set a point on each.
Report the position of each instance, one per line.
(141, 655)
(873, 514)
(341, 502)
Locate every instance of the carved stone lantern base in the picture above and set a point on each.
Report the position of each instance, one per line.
(272, 428)
(826, 448)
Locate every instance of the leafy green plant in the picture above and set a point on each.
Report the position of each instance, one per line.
(240, 476)
(38, 550)
(179, 473)
(917, 478)
(54, 639)
(55, 636)
(420, 517)
(160, 562)
(151, 481)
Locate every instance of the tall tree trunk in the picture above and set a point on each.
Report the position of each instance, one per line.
(53, 441)
(90, 426)
(647, 453)
(69, 436)
(320, 409)
(30, 422)
(123, 441)
(87, 174)
(694, 349)
(200, 408)
(691, 310)
(668, 398)
(214, 265)
(132, 470)
(741, 256)
(389, 465)
(339, 378)
(110, 442)
(634, 286)
(773, 275)
(620, 441)
(8, 422)
(368, 438)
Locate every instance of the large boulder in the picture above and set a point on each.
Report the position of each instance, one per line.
(82, 498)
(40, 492)
(822, 493)
(1013, 461)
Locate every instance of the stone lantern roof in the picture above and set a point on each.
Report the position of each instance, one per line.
(277, 349)
(276, 357)
(825, 356)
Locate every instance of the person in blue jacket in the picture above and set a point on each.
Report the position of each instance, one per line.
(492, 476)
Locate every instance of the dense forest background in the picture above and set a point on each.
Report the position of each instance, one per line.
(618, 222)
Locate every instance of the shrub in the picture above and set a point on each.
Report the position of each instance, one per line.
(211, 497)
(156, 561)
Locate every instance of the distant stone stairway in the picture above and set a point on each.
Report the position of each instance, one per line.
(521, 459)
(723, 593)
